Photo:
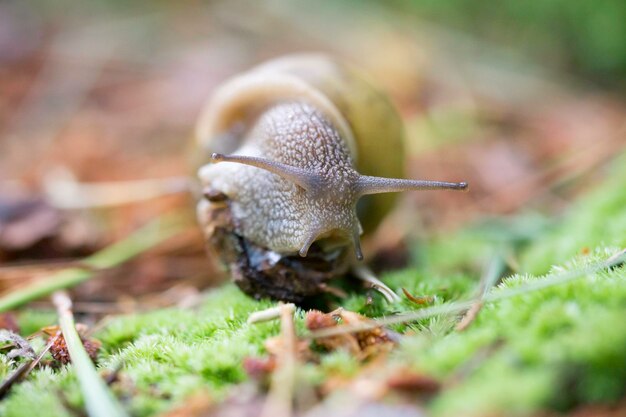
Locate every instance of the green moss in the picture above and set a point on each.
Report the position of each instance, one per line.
(5, 367)
(558, 347)
(32, 398)
(495, 389)
(417, 282)
(165, 355)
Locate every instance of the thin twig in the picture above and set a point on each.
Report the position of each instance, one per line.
(268, 314)
(14, 377)
(470, 315)
(99, 401)
(458, 306)
(24, 369)
(66, 193)
(145, 238)
(279, 401)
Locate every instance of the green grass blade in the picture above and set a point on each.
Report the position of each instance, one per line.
(99, 400)
(136, 243)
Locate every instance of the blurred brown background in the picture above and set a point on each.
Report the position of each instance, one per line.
(523, 100)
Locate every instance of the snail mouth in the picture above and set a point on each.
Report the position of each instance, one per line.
(333, 240)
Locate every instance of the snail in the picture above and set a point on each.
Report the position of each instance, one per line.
(303, 153)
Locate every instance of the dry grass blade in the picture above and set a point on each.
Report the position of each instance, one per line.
(280, 398)
(145, 238)
(99, 401)
(264, 315)
(490, 277)
(65, 193)
(456, 307)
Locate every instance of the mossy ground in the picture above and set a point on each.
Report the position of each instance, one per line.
(555, 348)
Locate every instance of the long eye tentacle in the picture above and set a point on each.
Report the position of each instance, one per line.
(301, 177)
(366, 185)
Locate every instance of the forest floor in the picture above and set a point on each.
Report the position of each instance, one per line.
(512, 295)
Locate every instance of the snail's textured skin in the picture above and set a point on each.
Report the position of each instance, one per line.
(275, 213)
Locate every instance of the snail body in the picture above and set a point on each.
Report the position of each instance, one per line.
(300, 141)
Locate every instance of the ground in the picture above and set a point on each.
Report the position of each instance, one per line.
(114, 97)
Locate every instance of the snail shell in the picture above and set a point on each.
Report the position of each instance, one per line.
(302, 139)
(363, 115)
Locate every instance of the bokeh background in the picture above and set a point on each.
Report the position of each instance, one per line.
(525, 100)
